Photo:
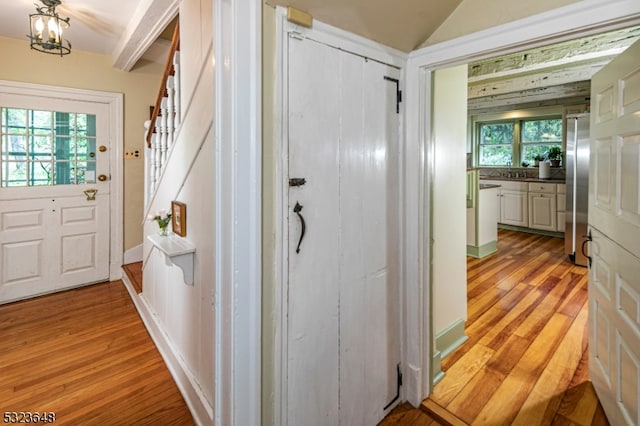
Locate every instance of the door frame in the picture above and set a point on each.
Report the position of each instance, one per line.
(114, 102)
(575, 20)
(349, 42)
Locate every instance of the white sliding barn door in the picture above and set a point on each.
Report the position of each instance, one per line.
(343, 290)
(614, 222)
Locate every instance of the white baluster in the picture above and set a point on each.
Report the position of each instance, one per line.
(176, 86)
(157, 156)
(163, 132)
(170, 110)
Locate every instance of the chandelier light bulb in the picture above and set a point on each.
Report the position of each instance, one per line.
(39, 27)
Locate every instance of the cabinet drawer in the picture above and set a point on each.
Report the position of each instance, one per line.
(547, 188)
(562, 188)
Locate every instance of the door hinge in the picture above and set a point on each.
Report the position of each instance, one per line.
(296, 34)
(398, 92)
(297, 181)
(398, 385)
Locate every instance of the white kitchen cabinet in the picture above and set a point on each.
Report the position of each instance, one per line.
(562, 206)
(543, 209)
(543, 212)
(513, 207)
(512, 202)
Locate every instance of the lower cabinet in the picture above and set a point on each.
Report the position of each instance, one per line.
(513, 208)
(536, 205)
(543, 213)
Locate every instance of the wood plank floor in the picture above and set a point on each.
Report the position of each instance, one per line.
(85, 355)
(526, 360)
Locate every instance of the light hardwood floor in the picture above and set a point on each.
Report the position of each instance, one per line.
(526, 360)
(85, 355)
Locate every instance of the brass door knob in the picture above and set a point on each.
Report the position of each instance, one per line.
(102, 148)
(102, 178)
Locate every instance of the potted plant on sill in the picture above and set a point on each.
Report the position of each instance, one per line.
(537, 159)
(555, 155)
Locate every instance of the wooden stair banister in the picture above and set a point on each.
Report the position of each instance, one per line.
(168, 71)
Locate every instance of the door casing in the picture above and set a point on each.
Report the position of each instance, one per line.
(114, 101)
(557, 25)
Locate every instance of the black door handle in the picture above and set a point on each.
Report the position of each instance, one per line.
(584, 244)
(297, 209)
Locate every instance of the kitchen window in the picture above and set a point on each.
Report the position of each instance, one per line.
(517, 142)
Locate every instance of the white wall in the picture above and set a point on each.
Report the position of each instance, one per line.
(185, 313)
(449, 271)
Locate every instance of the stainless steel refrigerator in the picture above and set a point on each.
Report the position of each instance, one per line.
(577, 172)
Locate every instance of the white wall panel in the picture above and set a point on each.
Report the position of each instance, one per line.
(185, 312)
(449, 213)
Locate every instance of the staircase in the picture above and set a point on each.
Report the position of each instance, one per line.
(162, 128)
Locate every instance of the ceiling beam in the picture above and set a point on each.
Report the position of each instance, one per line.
(566, 54)
(550, 77)
(149, 20)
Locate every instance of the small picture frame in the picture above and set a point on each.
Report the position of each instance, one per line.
(179, 218)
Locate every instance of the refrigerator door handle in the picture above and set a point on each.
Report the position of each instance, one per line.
(584, 244)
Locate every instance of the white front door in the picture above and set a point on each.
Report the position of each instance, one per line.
(614, 222)
(54, 193)
(343, 292)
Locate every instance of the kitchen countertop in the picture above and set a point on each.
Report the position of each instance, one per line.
(536, 180)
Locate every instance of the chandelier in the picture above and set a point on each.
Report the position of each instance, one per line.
(46, 29)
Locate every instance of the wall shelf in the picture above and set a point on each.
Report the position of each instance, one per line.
(178, 251)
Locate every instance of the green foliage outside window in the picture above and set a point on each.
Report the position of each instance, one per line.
(46, 147)
(526, 139)
(539, 136)
(496, 142)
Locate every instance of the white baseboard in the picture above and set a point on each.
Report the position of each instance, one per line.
(134, 254)
(200, 408)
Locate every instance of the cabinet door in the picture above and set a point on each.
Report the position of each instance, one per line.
(513, 208)
(542, 211)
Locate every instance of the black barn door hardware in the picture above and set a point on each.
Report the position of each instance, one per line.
(297, 209)
(297, 181)
(398, 92)
(584, 244)
(398, 384)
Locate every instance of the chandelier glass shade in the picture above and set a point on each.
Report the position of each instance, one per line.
(46, 29)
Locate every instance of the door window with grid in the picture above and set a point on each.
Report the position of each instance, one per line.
(40, 148)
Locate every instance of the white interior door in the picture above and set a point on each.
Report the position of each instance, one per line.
(614, 222)
(343, 291)
(53, 234)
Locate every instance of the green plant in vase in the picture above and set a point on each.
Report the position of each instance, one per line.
(554, 155)
(537, 159)
(162, 218)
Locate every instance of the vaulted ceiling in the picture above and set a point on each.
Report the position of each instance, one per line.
(403, 25)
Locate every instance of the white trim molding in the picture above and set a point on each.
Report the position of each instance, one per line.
(578, 19)
(115, 104)
(237, 27)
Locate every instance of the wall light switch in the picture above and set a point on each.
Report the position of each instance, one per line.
(131, 154)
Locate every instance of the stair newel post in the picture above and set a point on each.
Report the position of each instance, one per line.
(148, 165)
